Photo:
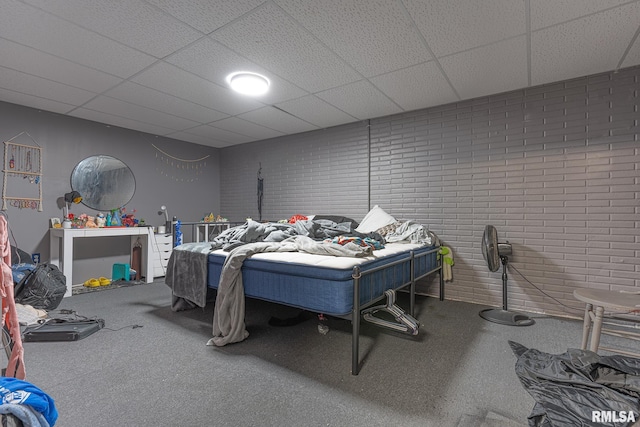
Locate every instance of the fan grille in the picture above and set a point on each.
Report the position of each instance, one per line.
(490, 247)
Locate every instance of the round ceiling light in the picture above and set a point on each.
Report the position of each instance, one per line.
(248, 83)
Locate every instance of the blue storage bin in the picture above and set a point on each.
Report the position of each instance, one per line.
(120, 271)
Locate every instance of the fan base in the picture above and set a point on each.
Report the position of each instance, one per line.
(505, 317)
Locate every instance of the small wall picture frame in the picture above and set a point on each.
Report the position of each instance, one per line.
(55, 223)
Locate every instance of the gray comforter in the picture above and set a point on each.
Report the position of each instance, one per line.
(253, 231)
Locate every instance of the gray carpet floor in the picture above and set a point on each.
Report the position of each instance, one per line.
(150, 367)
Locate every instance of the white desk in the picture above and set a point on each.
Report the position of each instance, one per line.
(66, 237)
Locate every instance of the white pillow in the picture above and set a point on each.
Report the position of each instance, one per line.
(375, 219)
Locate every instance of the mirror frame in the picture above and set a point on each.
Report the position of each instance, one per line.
(105, 182)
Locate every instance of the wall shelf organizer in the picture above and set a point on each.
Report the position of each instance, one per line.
(22, 167)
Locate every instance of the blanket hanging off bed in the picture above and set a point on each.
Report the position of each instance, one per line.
(228, 315)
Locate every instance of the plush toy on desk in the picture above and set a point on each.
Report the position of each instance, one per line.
(100, 220)
(129, 221)
(91, 223)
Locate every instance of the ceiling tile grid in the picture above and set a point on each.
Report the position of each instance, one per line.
(269, 37)
(206, 15)
(159, 66)
(172, 80)
(316, 111)
(495, 68)
(420, 86)
(374, 37)
(144, 96)
(279, 120)
(360, 99)
(214, 62)
(58, 37)
(589, 45)
(137, 112)
(50, 67)
(456, 26)
(42, 88)
(133, 23)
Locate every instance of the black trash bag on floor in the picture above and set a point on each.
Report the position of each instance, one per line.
(579, 388)
(43, 288)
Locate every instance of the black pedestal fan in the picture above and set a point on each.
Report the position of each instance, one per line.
(495, 253)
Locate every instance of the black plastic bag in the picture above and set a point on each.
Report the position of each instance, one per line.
(43, 288)
(579, 387)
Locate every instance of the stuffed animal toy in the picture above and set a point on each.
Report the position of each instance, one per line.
(100, 220)
(91, 223)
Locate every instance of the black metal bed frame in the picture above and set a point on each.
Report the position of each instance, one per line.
(410, 282)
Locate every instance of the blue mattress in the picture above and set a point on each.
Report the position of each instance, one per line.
(322, 289)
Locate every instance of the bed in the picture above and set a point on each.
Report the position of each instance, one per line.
(352, 287)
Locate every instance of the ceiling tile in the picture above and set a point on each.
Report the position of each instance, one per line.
(41, 64)
(141, 95)
(360, 99)
(633, 57)
(416, 87)
(496, 68)
(169, 79)
(381, 35)
(545, 13)
(133, 23)
(455, 26)
(271, 38)
(124, 122)
(206, 15)
(316, 111)
(139, 113)
(198, 139)
(43, 88)
(218, 134)
(13, 97)
(214, 62)
(585, 46)
(279, 120)
(55, 36)
(244, 127)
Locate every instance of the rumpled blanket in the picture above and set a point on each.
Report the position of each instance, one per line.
(186, 275)
(413, 232)
(228, 315)
(252, 232)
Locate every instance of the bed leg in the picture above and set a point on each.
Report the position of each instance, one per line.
(355, 323)
(412, 291)
(355, 338)
(441, 281)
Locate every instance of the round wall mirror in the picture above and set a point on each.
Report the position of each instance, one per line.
(105, 183)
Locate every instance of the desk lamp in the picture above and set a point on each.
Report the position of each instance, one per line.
(167, 223)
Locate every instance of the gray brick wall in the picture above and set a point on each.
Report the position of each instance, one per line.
(555, 168)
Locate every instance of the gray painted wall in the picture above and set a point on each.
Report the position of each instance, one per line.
(555, 168)
(67, 140)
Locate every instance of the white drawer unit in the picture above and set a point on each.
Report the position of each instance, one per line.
(161, 247)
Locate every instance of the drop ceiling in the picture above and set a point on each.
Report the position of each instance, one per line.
(159, 66)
